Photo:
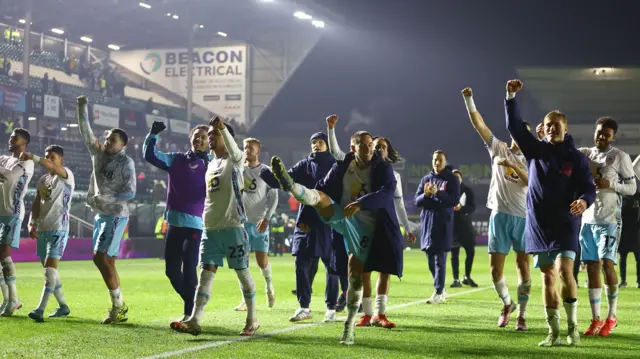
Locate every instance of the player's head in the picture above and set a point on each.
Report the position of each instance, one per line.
(385, 149)
(319, 142)
(55, 154)
(458, 174)
(514, 145)
(362, 145)
(439, 160)
(19, 140)
(605, 133)
(216, 141)
(555, 126)
(252, 148)
(115, 141)
(198, 138)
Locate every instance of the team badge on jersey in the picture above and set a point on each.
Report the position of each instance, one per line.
(610, 160)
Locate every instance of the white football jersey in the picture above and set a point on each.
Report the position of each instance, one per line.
(355, 184)
(15, 176)
(257, 196)
(615, 166)
(223, 206)
(55, 201)
(507, 194)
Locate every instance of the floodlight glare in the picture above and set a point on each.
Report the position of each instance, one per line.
(86, 39)
(114, 47)
(223, 34)
(317, 23)
(302, 15)
(57, 31)
(144, 5)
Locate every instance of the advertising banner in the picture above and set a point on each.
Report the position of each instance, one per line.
(35, 102)
(81, 249)
(106, 116)
(219, 75)
(51, 106)
(14, 99)
(179, 127)
(68, 110)
(153, 118)
(133, 122)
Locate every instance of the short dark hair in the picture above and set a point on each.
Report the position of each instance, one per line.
(608, 122)
(198, 128)
(55, 149)
(123, 135)
(23, 133)
(357, 137)
(393, 155)
(440, 152)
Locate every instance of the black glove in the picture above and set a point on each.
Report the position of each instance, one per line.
(157, 127)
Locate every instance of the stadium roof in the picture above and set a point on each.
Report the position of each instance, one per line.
(584, 93)
(134, 24)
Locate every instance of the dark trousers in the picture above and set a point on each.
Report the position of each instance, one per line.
(438, 269)
(181, 251)
(305, 268)
(470, 251)
(623, 265)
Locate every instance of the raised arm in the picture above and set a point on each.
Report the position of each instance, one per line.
(530, 146)
(627, 185)
(476, 119)
(90, 139)
(45, 163)
(158, 159)
(380, 198)
(334, 148)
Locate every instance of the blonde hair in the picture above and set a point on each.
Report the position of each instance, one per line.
(557, 114)
(252, 141)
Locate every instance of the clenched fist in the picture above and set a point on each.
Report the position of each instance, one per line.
(217, 123)
(331, 121)
(514, 85)
(467, 92)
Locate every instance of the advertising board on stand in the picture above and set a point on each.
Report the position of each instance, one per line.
(105, 116)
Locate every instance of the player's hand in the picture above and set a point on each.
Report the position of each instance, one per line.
(26, 156)
(433, 189)
(351, 209)
(33, 233)
(157, 127)
(429, 188)
(504, 162)
(83, 100)
(540, 130)
(578, 207)
(457, 207)
(217, 123)
(411, 238)
(262, 225)
(467, 92)
(602, 183)
(331, 121)
(514, 85)
(305, 228)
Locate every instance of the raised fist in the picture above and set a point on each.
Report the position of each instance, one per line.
(217, 123)
(83, 100)
(514, 85)
(157, 127)
(467, 92)
(331, 121)
(540, 131)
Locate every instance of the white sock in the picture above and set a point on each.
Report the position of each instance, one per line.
(366, 306)
(594, 298)
(304, 195)
(524, 289)
(266, 273)
(116, 297)
(354, 297)
(203, 293)
(553, 320)
(57, 292)
(249, 292)
(502, 291)
(612, 296)
(5, 290)
(381, 304)
(572, 313)
(9, 270)
(49, 286)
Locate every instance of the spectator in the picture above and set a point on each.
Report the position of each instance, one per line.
(6, 66)
(45, 82)
(56, 86)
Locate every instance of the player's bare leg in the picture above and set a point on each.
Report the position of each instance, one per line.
(354, 297)
(10, 301)
(551, 300)
(523, 265)
(497, 261)
(52, 285)
(107, 267)
(203, 294)
(594, 285)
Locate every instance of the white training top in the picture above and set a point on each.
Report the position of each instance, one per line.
(614, 165)
(355, 184)
(14, 179)
(507, 194)
(223, 206)
(398, 203)
(260, 200)
(55, 201)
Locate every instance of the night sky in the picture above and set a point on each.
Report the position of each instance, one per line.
(402, 64)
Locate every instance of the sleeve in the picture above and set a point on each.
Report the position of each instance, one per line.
(158, 159)
(268, 177)
(334, 148)
(235, 154)
(381, 198)
(627, 185)
(85, 129)
(420, 198)
(298, 171)
(128, 190)
(495, 147)
(584, 183)
(398, 203)
(470, 205)
(450, 197)
(636, 167)
(530, 146)
(272, 202)
(71, 179)
(22, 168)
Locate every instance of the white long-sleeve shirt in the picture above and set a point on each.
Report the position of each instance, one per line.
(614, 165)
(259, 199)
(16, 177)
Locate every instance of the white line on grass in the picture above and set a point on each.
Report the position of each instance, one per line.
(287, 329)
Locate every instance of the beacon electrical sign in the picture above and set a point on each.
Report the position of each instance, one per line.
(219, 75)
